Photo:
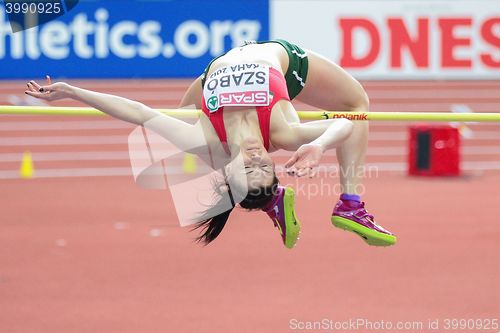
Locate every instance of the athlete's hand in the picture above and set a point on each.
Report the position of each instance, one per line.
(50, 91)
(305, 160)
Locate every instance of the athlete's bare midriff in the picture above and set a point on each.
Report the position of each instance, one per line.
(271, 54)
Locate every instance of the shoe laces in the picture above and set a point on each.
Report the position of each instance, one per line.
(364, 213)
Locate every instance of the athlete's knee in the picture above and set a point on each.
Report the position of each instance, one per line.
(361, 101)
(364, 101)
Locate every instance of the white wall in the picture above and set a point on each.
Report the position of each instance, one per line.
(449, 39)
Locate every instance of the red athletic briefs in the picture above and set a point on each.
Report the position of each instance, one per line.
(278, 90)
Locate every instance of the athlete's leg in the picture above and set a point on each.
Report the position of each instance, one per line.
(329, 87)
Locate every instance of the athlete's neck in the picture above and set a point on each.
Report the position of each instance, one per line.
(242, 130)
(247, 143)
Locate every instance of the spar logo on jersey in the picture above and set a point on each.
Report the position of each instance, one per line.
(238, 85)
(213, 103)
(244, 98)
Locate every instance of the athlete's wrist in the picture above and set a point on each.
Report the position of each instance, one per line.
(68, 90)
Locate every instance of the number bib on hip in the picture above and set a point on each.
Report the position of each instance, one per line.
(237, 85)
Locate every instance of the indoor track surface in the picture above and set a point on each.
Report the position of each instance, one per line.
(84, 249)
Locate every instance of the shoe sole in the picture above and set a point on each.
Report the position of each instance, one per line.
(291, 221)
(370, 236)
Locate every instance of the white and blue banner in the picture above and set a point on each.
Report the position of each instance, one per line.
(130, 38)
(372, 39)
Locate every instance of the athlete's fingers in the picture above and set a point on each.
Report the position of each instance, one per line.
(303, 172)
(311, 173)
(47, 88)
(36, 87)
(300, 172)
(292, 160)
(49, 80)
(31, 87)
(34, 94)
(34, 84)
(291, 171)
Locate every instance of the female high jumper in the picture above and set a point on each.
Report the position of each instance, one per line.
(245, 97)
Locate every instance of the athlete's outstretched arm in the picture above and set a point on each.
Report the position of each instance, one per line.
(174, 130)
(118, 107)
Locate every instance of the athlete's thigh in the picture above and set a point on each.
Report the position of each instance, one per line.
(330, 87)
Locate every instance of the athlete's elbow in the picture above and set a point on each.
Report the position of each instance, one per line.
(346, 128)
(144, 113)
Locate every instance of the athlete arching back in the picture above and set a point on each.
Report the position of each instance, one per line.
(321, 83)
(308, 76)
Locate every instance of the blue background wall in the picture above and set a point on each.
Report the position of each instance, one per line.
(131, 38)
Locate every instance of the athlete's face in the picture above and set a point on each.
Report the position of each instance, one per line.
(258, 167)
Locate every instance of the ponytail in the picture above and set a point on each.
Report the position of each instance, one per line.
(212, 223)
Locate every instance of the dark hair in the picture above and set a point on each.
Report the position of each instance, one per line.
(212, 225)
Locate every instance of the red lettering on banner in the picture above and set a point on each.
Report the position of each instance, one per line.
(449, 42)
(400, 38)
(490, 38)
(348, 26)
(464, 42)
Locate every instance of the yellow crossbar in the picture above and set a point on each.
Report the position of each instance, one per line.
(305, 115)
